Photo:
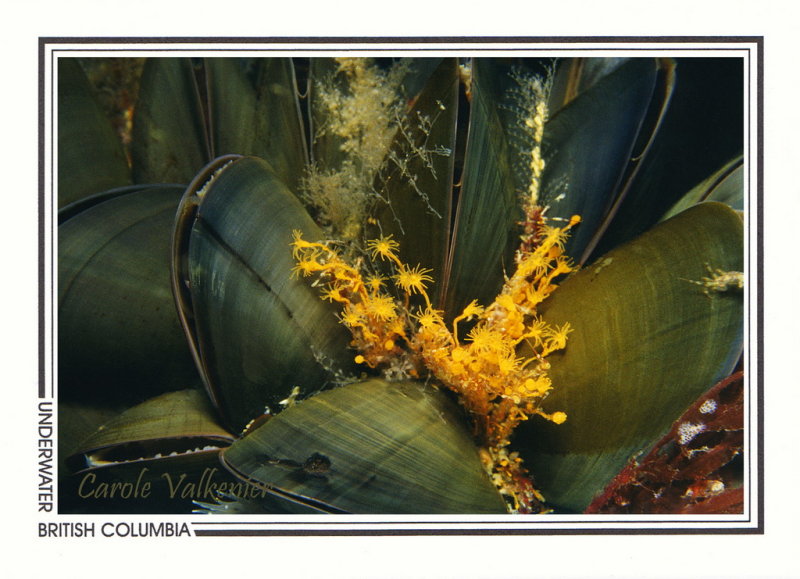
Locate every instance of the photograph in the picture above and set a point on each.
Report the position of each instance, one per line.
(506, 281)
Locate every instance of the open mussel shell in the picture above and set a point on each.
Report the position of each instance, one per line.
(369, 447)
(90, 153)
(170, 424)
(162, 485)
(257, 331)
(592, 144)
(587, 147)
(190, 111)
(701, 130)
(170, 127)
(119, 338)
(487, 207)
(726, 185)
(648, 339)
(157, 456)
(419, 187)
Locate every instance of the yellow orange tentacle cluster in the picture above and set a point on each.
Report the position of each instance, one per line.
(498, 387)
(371, 314)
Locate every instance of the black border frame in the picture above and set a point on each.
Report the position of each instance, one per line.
(438, 43)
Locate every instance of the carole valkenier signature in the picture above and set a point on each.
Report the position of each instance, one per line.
(177, 485)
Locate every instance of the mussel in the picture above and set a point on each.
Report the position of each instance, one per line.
(369, 447)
